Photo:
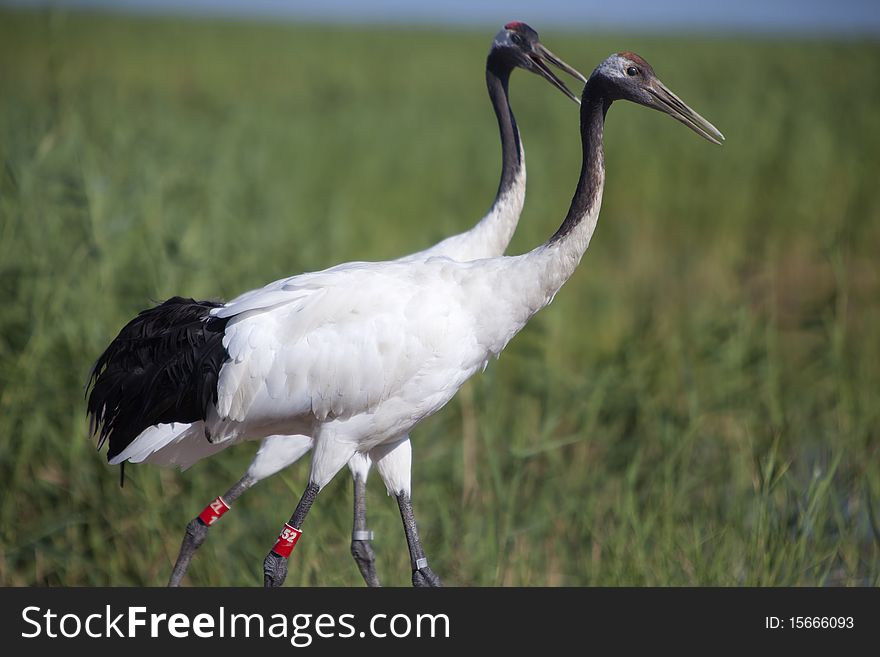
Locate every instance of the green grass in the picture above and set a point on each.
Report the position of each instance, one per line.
(700, 405)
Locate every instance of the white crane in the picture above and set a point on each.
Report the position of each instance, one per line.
(182, 444)
(356, 355)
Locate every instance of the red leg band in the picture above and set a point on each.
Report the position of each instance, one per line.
(211, 513)
(286, 540)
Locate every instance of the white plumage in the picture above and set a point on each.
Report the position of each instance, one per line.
(293, 339)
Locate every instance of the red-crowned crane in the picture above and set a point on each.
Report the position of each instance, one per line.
(356, 355)
(515, 46)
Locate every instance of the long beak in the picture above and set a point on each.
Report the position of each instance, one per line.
(542, 55)
(668, 102)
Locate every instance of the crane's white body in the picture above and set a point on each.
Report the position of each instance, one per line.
(353, 357)
(357, 355)
(268, 309)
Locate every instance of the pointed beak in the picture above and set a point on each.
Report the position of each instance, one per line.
(541, 56)
(668, 102)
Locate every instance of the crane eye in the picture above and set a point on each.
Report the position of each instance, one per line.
(632, 70)
(516, 38)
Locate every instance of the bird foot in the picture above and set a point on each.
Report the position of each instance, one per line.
(274, 570)
(195, 535)
(365, 558)
(424, 577)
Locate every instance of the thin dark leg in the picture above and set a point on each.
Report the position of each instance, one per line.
(422, 574)
(361, 548)
(197, 532)
(275, 565)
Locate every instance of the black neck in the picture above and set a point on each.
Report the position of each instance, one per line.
(594, 106)
(497, 78)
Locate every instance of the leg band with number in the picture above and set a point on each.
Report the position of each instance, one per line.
(211, 513)
(286, 540)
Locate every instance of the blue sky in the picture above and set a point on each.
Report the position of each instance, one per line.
(749, 16)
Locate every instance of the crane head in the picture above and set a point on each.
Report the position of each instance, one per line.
(627, 76)
(520, 47)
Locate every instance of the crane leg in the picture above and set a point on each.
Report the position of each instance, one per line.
(329, 455)
(197, 529)
(361, 548)
(422, 575)
(275, 563)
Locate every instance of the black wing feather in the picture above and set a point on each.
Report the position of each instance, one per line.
(162, 367)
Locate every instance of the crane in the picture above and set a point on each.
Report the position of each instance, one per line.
(356, 355)
(516, 45)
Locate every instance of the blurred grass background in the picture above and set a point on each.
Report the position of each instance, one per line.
(699, 406)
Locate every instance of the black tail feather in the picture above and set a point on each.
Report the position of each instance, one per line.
(162, 367)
